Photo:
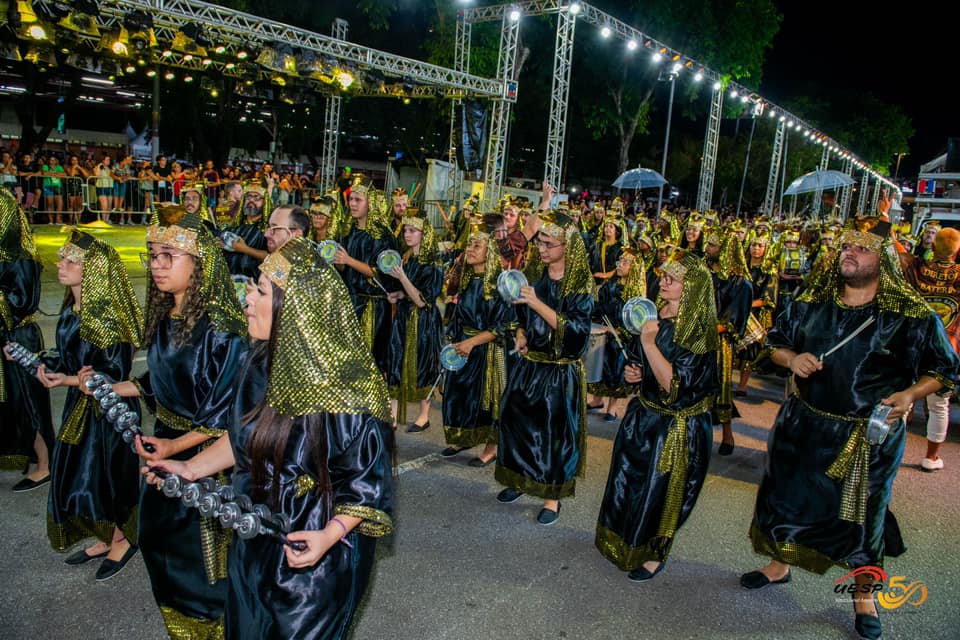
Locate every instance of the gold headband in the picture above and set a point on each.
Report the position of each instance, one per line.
(674, 269)
(863, 239)
(553, 230)
(72, 252)
(416, 223)
(322, 208)
(254, 189)
(174, 236)
(276, 268)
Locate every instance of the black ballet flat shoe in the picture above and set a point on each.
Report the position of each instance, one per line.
(642, 575)
(82, 557)
(29, 485)
(756, 580)
(609, 417)
(449, 452)
(479, 462)
(509, 495)
(413, 427)
(595, 407)
(724, 449)
(546, 517)
(868, 626)
(109, 568)
(737, 393)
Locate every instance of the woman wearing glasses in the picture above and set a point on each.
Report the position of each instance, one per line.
(93, 488)
(195, 342)
(662, 449)
(543, 413)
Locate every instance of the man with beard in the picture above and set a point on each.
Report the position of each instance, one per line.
(228, 210)
(824, 496)
(399, 203)
(246, 252)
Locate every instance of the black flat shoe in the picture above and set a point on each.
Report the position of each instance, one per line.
(724, 449)
(449, 452)
(478, 462)
(109, 568)
(594, 407)
(757, 580)
(609, 417)
(509, 495)
(868, 626)
(739, 394)
(546, 517)
(82, 557)
(413, 427)
(642, 575)
(29, 485)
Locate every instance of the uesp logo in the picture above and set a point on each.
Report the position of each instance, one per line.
(898, 591)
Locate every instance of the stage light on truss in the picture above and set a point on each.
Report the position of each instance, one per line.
(632, 45)
(166, 53)
(130, 68)
(188, 78)
(698, 76)
(83, 18)
(117, 42)
(733, 93)
(515, 14)
(278, 57)
(345, 78)
(169, 75)
(657, 57)
(717, 86)
(676, 68)
(606, 32)
(574, 8)
(306, 62)
(230, 66)
(220, 50)
(140, 26)
(151, 73)
(36, 31)
(20, 13)
(190, 39)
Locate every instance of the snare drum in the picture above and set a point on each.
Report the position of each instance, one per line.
(593, 358)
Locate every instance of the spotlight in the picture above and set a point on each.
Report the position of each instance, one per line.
(140, 26)
(169, 75)
(151, 73)
(190, 40)
(632, 45)
(220, 49)
(188, 78)
(605, 32)
(515, 14)
(575, 8)
(83, 18)
(36, 32)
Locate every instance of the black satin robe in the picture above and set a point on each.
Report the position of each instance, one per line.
(733, 298)
(375, 321)
(604, 258)
(634, 501)
(428, 279)
(797, 517)
(240, 264)
(542, 432)
(26, 411)
(194, 381)
(610, 303)
(268, 599)
(93, 483)
(467, 422)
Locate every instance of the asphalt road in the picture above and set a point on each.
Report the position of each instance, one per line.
(461, 565)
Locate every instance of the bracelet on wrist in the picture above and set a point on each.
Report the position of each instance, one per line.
(343, 538)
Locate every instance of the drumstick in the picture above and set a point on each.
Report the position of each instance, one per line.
(616, 337)
(853, 334)
(434, 387)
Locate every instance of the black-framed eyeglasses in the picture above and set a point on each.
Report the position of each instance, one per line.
(548, 245)
(163, 259)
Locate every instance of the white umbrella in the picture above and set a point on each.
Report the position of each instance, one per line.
(639, 179)
(818, 181)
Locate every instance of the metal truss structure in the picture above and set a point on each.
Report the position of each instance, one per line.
(331, 125)
(824, 165)
(776, 157)
(846, 194)
(862, 200)
(708, 168)
(499, 127)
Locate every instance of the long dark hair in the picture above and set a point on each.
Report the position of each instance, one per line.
(268, 443)
(159, 304)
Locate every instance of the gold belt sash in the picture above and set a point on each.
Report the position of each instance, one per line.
(494, 375)
(674, 460)
(852, 465)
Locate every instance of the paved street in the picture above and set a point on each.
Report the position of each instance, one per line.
(461, 565)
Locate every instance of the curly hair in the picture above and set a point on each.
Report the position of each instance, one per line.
(160, 303)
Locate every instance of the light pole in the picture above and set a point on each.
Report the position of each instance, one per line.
(899, 156)
(670, 77)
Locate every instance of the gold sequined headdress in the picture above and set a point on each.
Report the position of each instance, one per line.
(492, 266)
(635, 283)
(695, 327)
(320, 362)
(577, 277)
(428, 244)
(732, 260)
(16, 238)
(894, 294)
(254, 187)
(110, 312)
(188, 233)
(378, 215)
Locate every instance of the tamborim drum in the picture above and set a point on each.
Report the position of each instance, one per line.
(637, 311)
(450, 359)
(509, 283)
(877, 425)
(387, 260)
(328, 249)
(593, 358)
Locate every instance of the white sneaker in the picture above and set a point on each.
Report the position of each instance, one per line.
(931, 465)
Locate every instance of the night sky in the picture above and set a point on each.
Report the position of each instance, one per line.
(905, 57)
